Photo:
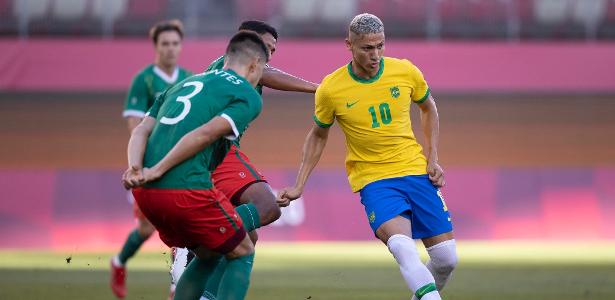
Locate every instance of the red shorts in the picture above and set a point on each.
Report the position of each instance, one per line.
(235, 174)
(191, 218)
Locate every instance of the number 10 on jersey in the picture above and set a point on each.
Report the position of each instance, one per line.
(385, 115)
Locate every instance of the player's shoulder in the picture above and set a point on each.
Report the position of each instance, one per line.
(147, 70)
(217, 63)
(398, 63)
(334, 77)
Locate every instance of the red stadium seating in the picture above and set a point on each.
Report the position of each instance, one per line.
(146, 8)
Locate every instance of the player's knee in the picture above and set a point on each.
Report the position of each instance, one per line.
(244, 248)
(268, 210)
(273, 213)
(444, 257)
(447, 264)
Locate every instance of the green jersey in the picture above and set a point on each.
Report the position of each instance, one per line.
(218, 64)
(146, 86)
(188, 105)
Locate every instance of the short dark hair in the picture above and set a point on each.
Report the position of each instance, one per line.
(168, 25)
(259, 26)
(244, 42)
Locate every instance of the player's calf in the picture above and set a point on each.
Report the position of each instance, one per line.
(416, 275)
(145, 228)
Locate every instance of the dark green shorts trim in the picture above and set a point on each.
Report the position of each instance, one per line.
(248, 166)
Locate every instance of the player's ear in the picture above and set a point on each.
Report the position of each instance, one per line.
(253, 65)
(348, 43)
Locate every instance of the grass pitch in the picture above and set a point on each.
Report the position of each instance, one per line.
(487, 270)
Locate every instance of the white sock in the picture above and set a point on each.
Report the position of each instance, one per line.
(116, 261)
(179, 264)
(442, 262)
(414, 272)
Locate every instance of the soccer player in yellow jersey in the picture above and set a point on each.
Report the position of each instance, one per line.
(399, 186)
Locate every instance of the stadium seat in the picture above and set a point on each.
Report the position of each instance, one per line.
(337, 11)
(299, 10)
(115, 8)
(378, 8)
(146, 8)
(69, 9)
(256, 9)
(552, 11)
(589, 12)
(32, 9)
(474, 18)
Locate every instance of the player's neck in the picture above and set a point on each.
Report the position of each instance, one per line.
(167, 69)
(362, 73)
(239, 69)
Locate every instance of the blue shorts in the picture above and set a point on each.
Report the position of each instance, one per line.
(413, 197)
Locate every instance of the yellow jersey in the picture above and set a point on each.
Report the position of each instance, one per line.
(374, 115)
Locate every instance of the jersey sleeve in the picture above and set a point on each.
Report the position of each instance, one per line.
(136, 103)
(242, 110)
(420, 91)
(324, 112)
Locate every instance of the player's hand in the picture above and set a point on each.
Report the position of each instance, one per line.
(133, 177)
(436, 174)
(288, 194)
(150, 175)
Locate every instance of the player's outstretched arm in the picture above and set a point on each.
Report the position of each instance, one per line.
(315, 143)
(430, 122)
(189, 145)
(136, 149)
(279, 80)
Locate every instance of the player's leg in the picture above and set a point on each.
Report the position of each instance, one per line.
(442, 252)
(254, 199)
(133, 242)
(248, 189)
(388, 212)
(262, 197)
(432, 223)
(395, 233)
(180, 258)
(206, 220)
(236, 279)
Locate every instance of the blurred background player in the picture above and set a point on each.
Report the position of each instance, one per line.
(172, 153)
(399, 187)
(148, 84)
(236, 177)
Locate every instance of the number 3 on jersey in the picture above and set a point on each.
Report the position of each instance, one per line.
(385, 115)
(185, 100)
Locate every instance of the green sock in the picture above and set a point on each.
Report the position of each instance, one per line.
(132, 244)
(236, 278)
(213, 283)
(249, 216)
(251, 221)
(192, 282)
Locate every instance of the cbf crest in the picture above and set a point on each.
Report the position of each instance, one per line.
(394, 92)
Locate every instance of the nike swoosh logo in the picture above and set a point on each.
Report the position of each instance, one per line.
(349, 105)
